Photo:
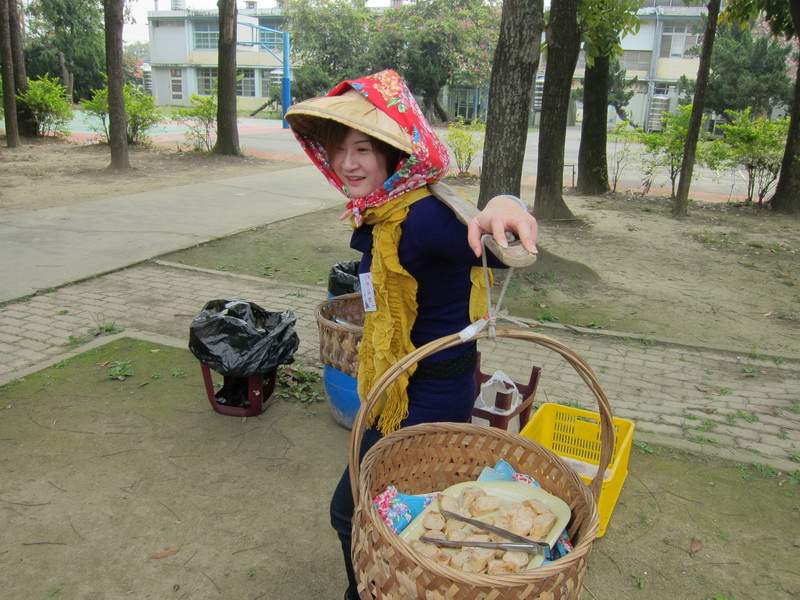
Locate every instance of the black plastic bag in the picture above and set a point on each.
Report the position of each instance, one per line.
(237, 338)
(343, 278)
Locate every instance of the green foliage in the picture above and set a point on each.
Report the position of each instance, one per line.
(620, 88)
(747, 72)
(298, 385)
(66, 36)
(663, 150)
(102, 329)
(430, 43)
(756, 148)
(330, 34)
(309, 81)
(465, 140)
(141, 113)
(435, 43)
(605, 23)
(120, 369)
(200, 119)
(47, 102)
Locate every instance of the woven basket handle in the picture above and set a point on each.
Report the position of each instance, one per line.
(578, 363)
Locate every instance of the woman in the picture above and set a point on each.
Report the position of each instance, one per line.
(420, 266)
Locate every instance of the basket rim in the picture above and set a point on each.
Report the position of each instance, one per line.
(325, 321)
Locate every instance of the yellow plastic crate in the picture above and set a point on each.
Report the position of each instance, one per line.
(574, 434)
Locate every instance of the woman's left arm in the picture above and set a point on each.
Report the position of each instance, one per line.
(503, 213)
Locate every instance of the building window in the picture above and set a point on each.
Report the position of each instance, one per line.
(176, 83)
(673, 3)
(206, 35)
(166, 23)
(677, 39)
(663, 88)
(206, 80)
(266, 81)
(272, 39)
(636, 60)
(246, 82)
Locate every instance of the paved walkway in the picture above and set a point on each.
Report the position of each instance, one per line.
(695, 398)
(715, 401)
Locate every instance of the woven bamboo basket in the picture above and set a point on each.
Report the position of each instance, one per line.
(434, 456)
(341, 325)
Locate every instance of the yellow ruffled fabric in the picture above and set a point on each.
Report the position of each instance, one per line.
(387, 330)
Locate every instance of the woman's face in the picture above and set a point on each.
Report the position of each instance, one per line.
(359, 165)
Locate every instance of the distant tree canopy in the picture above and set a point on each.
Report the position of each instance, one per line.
(431, 43)
(748, 71)
(330, 34)
(66, 39)
(435, 43)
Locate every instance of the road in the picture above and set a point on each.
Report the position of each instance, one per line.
(267, 138)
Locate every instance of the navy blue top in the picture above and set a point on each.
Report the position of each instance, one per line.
(434, 250)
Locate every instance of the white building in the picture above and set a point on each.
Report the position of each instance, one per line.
(183, 53)
(658, 55)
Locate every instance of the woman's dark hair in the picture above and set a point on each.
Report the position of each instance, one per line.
(336, 132)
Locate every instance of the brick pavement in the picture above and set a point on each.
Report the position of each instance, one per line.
(726, 403)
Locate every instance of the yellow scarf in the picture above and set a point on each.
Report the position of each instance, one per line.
(387, 330)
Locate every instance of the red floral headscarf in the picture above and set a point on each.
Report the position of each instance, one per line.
(428, 161)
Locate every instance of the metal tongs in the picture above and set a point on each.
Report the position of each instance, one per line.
(517, 543)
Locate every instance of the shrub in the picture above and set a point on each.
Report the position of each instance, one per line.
(200, 119)
(465, 140)
(756, 147)
(48, 104)
(141, 113)
(621, 141)
(663, 150)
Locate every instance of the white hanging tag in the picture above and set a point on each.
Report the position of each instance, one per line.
(367, 292)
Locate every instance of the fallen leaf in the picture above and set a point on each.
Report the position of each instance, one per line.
(104, 364)
(696, 546)
(769, 314)
(165, 553)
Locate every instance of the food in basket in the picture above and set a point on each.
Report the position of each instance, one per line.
(515, 507)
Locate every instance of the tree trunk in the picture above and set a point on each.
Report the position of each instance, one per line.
(439, 109)
(787, 192)
(592, 158)
(66, 77)
(227, 142)
(563, 46)
(7, 64)
(117, 124)
(680, 206)
(516, 61)
(25, 119)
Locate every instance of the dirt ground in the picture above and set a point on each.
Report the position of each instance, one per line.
(133, 487)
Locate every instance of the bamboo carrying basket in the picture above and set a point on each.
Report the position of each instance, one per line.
(434, 456)
(341, 325)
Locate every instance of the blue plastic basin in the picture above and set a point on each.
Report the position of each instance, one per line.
(342, 393)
